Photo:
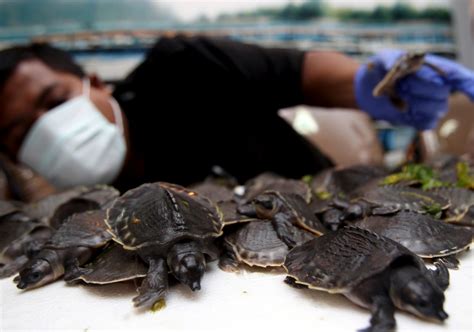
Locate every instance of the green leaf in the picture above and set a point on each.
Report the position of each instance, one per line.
(465, 180)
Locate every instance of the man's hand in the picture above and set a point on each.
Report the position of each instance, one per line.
(425, 92)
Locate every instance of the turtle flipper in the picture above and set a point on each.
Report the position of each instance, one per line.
(212, 251)
(435, 68)
(284, 229)
(292, 282)
(441, 275)
(248, 210)
(383, 316)
(228, 262)
(451, 262)
(155, 284)
(74, 272)
(13, 267)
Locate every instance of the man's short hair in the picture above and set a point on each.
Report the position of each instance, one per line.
(53, 57)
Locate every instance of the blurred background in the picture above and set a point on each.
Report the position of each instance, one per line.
(109, 38)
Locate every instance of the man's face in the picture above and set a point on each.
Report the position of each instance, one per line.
(31, 91)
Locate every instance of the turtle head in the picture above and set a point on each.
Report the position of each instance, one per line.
(37, 273)
(412, 291)
(266, 205)
(187, 263)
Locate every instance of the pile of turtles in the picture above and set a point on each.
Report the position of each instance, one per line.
(359, 231)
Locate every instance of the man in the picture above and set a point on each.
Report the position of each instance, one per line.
(194, 103)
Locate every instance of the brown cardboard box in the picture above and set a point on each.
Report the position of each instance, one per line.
(348, 137)
(456, 130)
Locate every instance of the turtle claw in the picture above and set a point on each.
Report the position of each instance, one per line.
(379, 328)
(148, 299)
(228, 266)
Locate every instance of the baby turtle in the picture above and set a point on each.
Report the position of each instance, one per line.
(406, 64)
(287, 212)
(257, 244)
(20, 238)
(420, 233)
(171, 228)
(113, 264)
(71, 246)
(371, 271)
(379, 200)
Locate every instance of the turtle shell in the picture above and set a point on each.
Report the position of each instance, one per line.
(271, 182)
(319, 205)
(113, 264)
(345, 180)
(45, 208)
(338, 261)
(157, 215)
(103, 195)
(257, 244)
(420, 233)
(86, 229)
(97, 197)
(230, 214)
(214, 191)
(403, 198)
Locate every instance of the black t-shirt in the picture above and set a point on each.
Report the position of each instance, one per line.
(198, 102)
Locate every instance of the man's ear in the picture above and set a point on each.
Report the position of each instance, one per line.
(97, 83)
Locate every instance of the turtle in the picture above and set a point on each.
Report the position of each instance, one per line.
(372, 271)
(257, 244)
(378, 199)
(20, 238)
(172, 229)
(71, 246)
(113, 264)
(272, 182)
(406, 64)
(287, 211)
(420, 233)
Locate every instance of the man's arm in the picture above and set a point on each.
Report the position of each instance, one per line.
(328, 79)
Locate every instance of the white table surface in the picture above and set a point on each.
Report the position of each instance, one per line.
(249, 301)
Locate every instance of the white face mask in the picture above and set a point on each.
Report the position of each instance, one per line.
(74, 144)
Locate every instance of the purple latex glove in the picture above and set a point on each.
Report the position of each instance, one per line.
(425, 92)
